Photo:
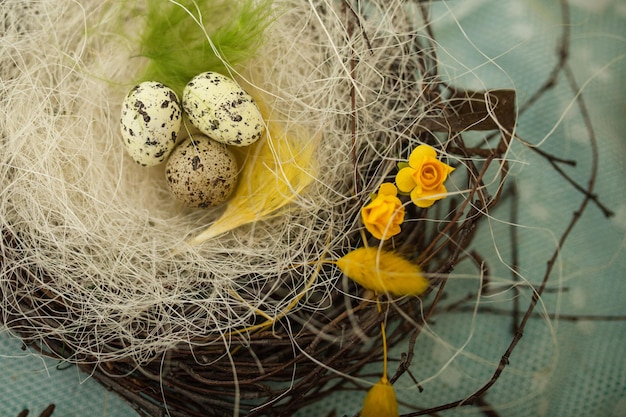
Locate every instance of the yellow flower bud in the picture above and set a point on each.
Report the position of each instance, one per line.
(384, 215)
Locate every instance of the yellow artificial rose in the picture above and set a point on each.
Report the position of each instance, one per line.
(383, 216)
(424, 176)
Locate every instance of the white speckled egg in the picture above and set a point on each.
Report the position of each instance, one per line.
(150, 121)
(201, 172)
(222, 110)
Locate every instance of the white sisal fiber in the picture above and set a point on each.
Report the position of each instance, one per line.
(103, 234)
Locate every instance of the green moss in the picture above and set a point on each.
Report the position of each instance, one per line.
(176, 35)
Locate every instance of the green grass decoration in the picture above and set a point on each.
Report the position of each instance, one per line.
(176, 37)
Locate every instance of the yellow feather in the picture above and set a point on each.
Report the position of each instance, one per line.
(276, 170)
(383, 272)
(380, 401)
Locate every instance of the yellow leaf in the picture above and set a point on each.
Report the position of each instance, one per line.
(276, 170)
(380, 401)
(383, 272)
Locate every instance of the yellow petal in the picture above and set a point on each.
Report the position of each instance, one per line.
(380, 401)
(381, 230)
(418, 199)
(388, 188)
(421, 153)
(375, 210)
(369, 213)
(425, 199)
(405, 180)
(383, 272)
(276, 170)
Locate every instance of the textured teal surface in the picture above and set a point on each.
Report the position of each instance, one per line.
(28, 381)
(561, 367)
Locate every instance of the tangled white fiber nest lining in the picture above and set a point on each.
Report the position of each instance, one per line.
(103, 234)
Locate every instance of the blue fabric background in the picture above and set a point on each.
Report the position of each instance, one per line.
(561, 367)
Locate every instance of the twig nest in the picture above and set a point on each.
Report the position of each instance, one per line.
(222, 110)
(150, 121)
(201, 172)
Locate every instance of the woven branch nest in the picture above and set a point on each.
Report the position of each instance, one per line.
(301, 357)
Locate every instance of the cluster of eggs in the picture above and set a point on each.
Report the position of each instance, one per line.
(201, 171)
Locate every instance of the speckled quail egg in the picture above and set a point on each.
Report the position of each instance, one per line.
(201, 172)
(222, 110)
(150, 120)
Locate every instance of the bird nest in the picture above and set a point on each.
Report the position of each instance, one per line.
(276, 366)
(284, 326)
